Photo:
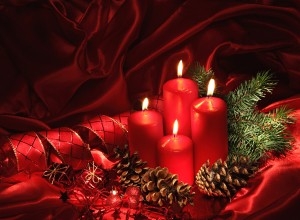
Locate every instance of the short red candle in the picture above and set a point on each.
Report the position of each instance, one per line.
(145, 128)
(176, 153)
(178, 95)
(209, 130)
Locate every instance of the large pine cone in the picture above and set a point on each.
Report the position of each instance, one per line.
(224, 179)
(161, 188)
(130, 168)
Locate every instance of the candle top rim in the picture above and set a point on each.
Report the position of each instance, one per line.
(179, 142)
(149, 115)
(209, 103)
(183, 85)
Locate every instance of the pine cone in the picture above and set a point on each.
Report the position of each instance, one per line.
(130, 168)
(224, 179)
(162, 188)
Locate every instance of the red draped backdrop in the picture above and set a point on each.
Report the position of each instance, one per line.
(62, 62)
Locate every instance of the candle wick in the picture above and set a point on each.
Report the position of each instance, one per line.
(174, 135)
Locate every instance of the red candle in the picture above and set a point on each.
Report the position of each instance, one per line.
(176, 153)
(209, 128)
(145, 128)
(178, 95)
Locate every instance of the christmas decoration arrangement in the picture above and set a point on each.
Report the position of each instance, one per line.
(97, 171)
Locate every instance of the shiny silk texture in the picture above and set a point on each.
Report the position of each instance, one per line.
(64, 61)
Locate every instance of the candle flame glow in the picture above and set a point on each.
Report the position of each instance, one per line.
(211, 87)
(145, 104)
(175, 127)
(179, 68)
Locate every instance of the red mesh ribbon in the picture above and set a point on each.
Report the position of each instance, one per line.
(68, 146)
(33, 151)
(104, 132)
(23, 152)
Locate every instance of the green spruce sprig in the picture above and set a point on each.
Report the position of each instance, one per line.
(256, 134)
(244, 99)
(252, 133)
(201, 76)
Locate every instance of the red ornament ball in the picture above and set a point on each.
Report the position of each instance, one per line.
(133, 194)
(133, 191)
(113, 199)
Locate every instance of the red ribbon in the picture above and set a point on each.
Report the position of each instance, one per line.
(33, 151)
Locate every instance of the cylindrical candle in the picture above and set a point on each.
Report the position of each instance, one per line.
(209, 130)
(176, 153)
(145, 128)
(178, 95)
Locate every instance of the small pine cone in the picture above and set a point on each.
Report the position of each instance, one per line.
(224, 179)
(160, 187)
(130, 168)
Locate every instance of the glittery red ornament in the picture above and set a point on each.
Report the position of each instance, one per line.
(133, 194)
(113, 199)
(133, 191)
(133, 202)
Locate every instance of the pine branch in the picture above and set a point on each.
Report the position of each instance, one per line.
(280, 118)
(258, 134)
(252, 133)
(201, 76)
(245, 97)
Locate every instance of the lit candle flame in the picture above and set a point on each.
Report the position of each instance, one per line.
(175, 128)
(211, 87)
(145, 104)
(179, 68)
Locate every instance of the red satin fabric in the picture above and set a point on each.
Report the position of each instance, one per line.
(64, 61)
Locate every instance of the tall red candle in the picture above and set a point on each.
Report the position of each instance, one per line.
(176, 153)
(145, 128)
(178, 95)
(209, 129)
